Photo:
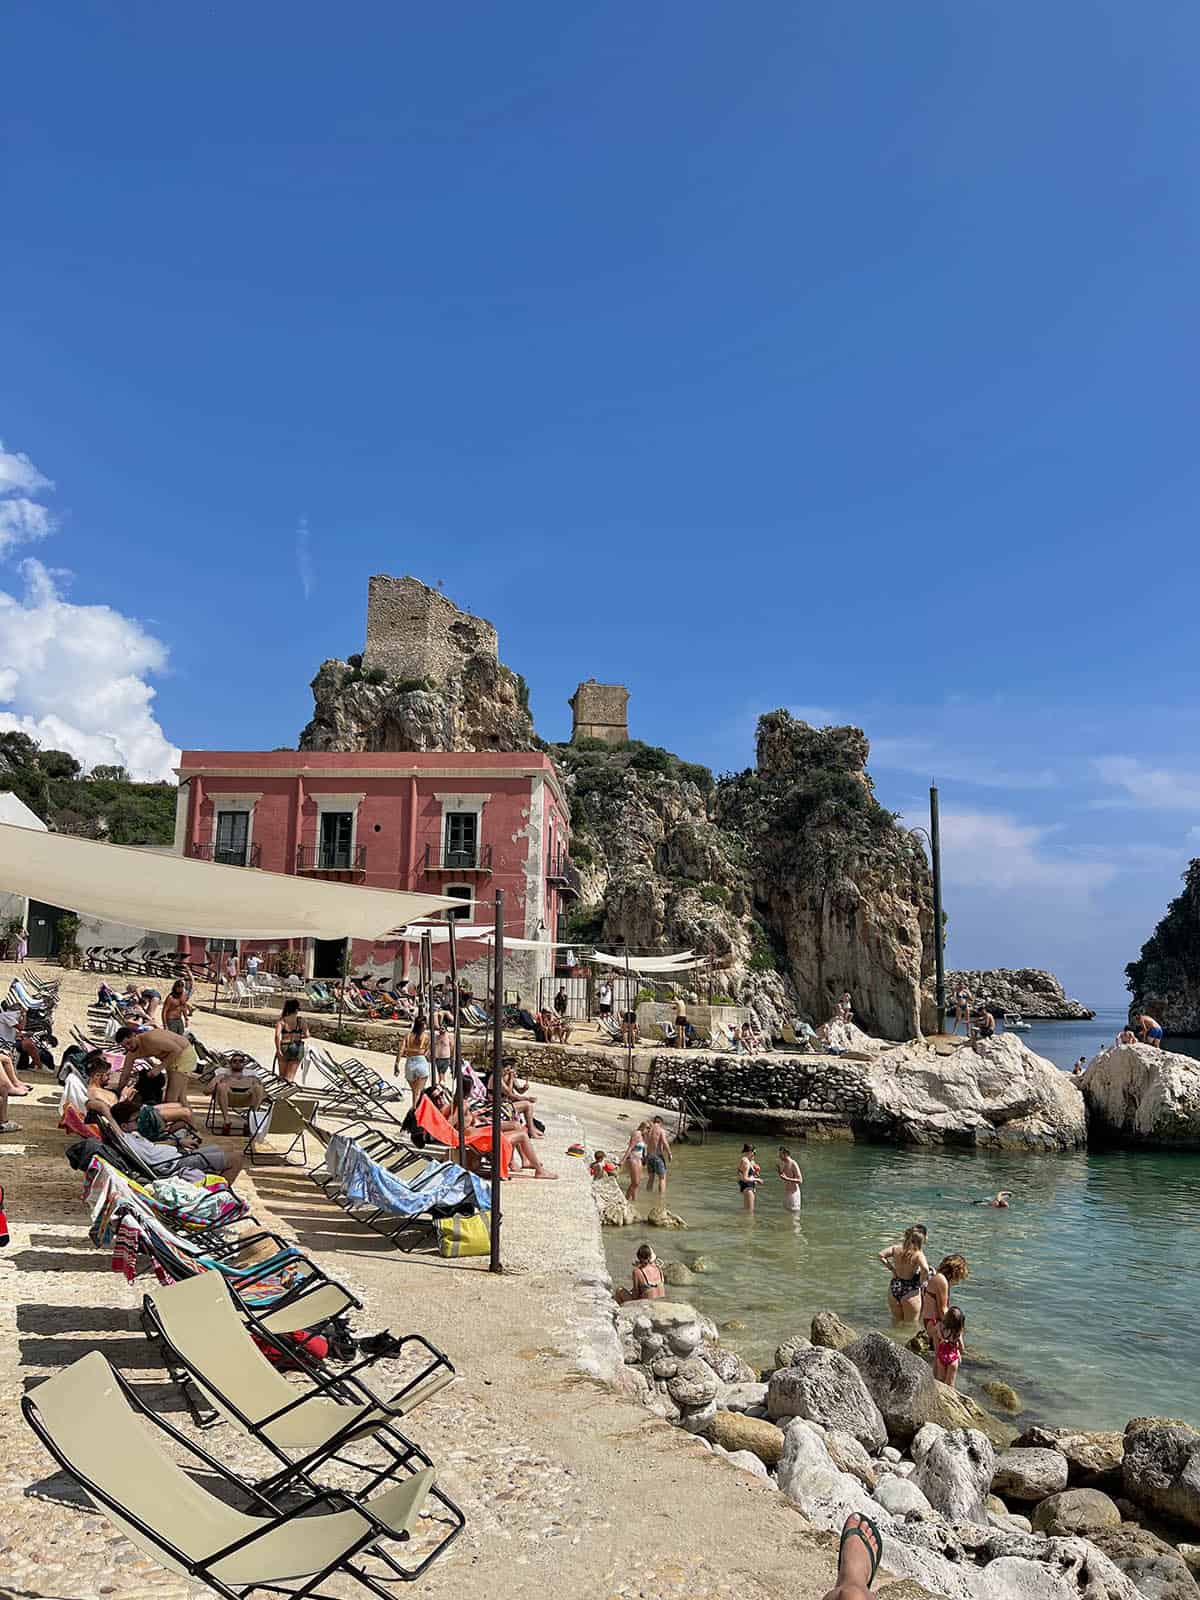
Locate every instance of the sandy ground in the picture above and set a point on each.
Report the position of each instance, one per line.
(568, 1488)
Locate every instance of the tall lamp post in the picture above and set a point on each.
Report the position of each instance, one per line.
(934, 836)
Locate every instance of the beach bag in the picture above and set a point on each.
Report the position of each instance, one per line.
(3, 1222)
(465, 1236)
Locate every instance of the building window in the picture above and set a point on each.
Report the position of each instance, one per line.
(464, 892)
(337, 835)
(233, 837)
(222, 947)
(462, 839)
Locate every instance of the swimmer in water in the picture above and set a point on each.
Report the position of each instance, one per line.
(998, 1202)
(749, 1176)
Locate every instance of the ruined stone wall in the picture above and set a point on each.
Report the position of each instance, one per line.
(415, 632)
(600, 712)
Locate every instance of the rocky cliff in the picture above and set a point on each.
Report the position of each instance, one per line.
(1026, 990)
(1165, 979)
(790, 875)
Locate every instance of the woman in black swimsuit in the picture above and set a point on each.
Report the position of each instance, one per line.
(909, 1268)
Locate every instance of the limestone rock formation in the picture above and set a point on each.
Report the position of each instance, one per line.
(999, 1096)
(430, 679)
(1028, 991)
(1138, 1095)
(845, 891)
(1165, 979)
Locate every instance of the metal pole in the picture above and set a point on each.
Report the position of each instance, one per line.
(629, 1027)
(939, 943)
(459, 1103)
(497, 1070)
(342, 985)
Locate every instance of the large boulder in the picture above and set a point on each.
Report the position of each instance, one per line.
(727, 1364)
(1029, 1474)
(823, 1386)
(849, 1456)
(902, 1497)
(1155, 1568)
(954, 1472)
(744, 1397)
(997, 1096)
(900, 1384)
(954, 1409)
(808, 1477)
(1094, 1456)
(830, 1332)
(1063, 1569)
(1138, 1095)
(787, 1352)
(1075, 1511)
(1161, 1471)
(734, 1432)
(694, 1384)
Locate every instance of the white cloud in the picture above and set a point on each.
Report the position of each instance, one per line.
(1149, 788)
(985, 850)
(77, 679)
(304, 562)
(962, 765)
(818, 716)
(21, 518)
(19, 475)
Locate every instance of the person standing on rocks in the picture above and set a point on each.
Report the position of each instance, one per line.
(792, 1179)
(1149, 1031)
(749, 1176)
(658, 1158)
(634, 1157)
(909, 1268)
(962, 1008)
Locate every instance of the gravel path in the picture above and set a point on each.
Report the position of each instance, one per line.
(568, 1488)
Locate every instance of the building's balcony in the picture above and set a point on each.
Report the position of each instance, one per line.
(251, 857)
(342, 864)
(477, 858)
(562, 874)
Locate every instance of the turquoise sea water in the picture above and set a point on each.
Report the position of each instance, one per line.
(1084, 1295)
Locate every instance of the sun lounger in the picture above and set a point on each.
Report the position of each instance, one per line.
(391, 1205)
(303, 1425)
(113, 1446)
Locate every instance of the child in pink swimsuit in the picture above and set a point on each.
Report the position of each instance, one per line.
(950, 1347)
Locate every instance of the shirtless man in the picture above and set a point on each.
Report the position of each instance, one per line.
(1127, 1035)
(176, 1053)
(658, 1157)
(791, 1178)
(1149, 1031)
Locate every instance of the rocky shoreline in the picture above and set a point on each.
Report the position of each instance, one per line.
(847, 1422)
(1029, 991)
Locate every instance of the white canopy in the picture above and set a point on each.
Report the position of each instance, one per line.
(683, 961)
(178, 895)
(439, 932)
(513, 943)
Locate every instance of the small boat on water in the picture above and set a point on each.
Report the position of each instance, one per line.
(1016, 1024)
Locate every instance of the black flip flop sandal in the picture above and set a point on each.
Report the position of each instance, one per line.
(860, 1532)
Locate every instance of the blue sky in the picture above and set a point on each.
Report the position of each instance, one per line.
(833, 357)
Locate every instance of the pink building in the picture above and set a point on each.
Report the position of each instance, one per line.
(462, 825)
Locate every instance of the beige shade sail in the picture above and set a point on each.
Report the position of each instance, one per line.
(146, 889)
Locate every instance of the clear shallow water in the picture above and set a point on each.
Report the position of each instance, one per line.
(1064, 1042)
(1084, 1295)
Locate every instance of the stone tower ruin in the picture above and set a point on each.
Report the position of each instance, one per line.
(600, 712)
(415, 633)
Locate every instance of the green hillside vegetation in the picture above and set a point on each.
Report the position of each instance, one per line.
(101, 804)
